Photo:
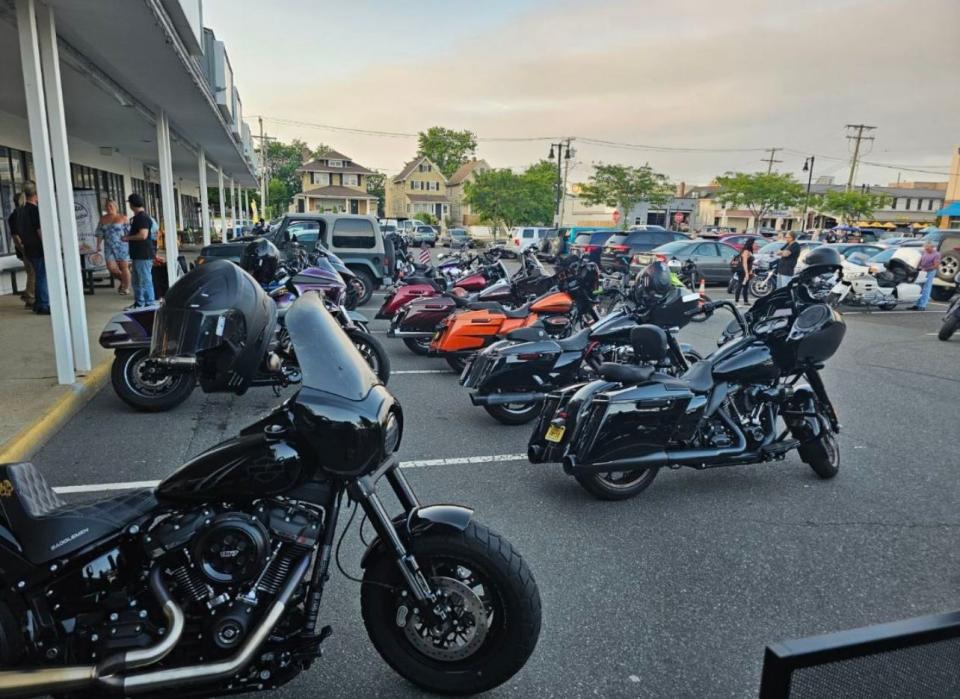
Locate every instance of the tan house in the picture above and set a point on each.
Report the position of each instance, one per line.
(460, 211)
(334, 183)
(420, 187)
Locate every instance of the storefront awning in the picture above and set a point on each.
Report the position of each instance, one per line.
(951, 209)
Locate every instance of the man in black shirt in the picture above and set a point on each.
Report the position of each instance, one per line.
(141, 252)
(28, 232)
(788, 260)
(28, 295)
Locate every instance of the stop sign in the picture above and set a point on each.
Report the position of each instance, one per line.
(616, 216)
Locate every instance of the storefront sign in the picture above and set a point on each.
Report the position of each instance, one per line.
(88, 218)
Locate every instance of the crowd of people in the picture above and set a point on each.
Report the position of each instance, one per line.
(128, 246)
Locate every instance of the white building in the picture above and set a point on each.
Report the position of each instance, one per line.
(109, 98)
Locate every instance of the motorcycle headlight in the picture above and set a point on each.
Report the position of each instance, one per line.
(392, 432)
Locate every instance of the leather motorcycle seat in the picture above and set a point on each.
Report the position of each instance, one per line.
(519, 312)
(46, 527)
(575, 342)
(625, 373)
(699, 377)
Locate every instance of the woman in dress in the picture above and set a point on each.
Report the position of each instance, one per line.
(113, 226)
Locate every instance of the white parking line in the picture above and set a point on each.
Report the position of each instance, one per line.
(422, 463)
(423, 371)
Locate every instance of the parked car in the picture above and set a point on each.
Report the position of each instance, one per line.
(770, 252)
(522, 237)
(711, 257)
(357, 240)
(589, 244)
(717, 231)
(424, 234)
(739, 240)
(456, 238)
(845, 250)
(631, 242)
(553, 247)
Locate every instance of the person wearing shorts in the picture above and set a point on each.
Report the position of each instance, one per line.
(116, 251)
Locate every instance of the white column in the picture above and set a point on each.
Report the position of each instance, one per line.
(179, 200)
(204, 204)
(233, 205)
(166, 192)
(223, 208)
(49, 219)
(246, 205)
(50, 60)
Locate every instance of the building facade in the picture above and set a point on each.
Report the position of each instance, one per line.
(461, 213)
(334, 183)
(419, 188)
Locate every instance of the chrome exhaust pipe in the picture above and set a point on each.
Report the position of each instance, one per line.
(31, 682)
(393, 332)
(504, 398)
(196, 674)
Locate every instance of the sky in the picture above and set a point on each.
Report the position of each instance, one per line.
(692, 87)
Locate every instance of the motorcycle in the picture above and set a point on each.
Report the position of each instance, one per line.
(212, 582)
(884, 287)
(951, 319)
(146, 385)
(763, 280)
(614, 434)
(417, 321)
(512, 377)
(460, 335)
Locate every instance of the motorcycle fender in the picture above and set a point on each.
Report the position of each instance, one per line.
(803, 424)
(357, 317)
(419, 521)
(130, 329)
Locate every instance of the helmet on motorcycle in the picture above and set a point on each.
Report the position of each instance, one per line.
(820, 273)
(906, 258)
(589, 276)
(652, 285)
(261, 259)
(222, 317)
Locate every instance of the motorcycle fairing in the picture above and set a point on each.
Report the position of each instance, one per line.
(132, 328)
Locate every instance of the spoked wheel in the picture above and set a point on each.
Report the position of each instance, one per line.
(823, 454)
(514, 413)
(141, 389)
(491, 607)
(418, 345)
(761, 286)
(373, 353)
(617, 485)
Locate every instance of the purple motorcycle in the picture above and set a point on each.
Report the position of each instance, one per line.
(155, 385)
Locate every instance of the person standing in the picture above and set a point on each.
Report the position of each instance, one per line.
(744, 272)
(929, 264)
(28, 294)
(788, 260)
(110, 238)
(28, 231)
(141, 252)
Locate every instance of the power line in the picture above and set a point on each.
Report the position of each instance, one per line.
(771, 160)
(858, 138)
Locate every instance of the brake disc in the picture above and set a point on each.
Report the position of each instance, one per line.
(461, 635)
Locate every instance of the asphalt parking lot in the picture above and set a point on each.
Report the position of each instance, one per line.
(674, 593)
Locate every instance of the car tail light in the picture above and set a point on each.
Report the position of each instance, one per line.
(590, 248)
(619, 248)
(516, 241)
(661, 257)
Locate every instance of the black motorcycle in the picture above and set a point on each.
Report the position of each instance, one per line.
(614, 434)
(212, 583)
(512, 377)
(951, 319)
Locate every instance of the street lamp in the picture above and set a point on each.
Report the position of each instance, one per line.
(808, 168)
(564, 152)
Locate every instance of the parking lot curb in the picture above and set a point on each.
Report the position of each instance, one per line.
(28, 441)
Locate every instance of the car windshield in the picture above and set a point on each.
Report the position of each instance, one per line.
(617, 238)
(672, 248)
(771, 248)
(881, 257)
(329, 362)
(457, 232)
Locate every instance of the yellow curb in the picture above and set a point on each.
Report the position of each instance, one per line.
(28, 441)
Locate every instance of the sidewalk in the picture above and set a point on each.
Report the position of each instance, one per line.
(33, 405)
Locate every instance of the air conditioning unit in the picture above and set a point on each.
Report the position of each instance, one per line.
(220, 75)
(236, 122)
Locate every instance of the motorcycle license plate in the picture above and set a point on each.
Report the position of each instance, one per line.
(555, 433)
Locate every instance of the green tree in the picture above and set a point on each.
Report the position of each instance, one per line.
(849, 206)
(759, 193)
(426, 217)
(283, 159)
(376, 185)
(624, 186)
(279, 196)
(505, 199)
(320, 151)
(448, 149)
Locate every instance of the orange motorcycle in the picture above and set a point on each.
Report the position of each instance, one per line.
(556, 313)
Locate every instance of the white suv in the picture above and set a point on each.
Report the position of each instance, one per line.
(522, 237)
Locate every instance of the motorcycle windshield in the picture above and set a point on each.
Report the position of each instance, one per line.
(329, 361)
(335, 262)
(179, 332)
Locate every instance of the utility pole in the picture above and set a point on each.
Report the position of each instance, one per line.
(264, 143)
(771, 160)
(858, 138)
(564, 153)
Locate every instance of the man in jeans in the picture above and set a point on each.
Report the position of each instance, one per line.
(929, 263)
(28, 232)
(141, 253)
(788, 260)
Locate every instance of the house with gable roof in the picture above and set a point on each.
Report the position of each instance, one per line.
(334, 183)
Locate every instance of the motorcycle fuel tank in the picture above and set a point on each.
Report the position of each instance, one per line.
(557, 302)
(246, 467)
(403, 295)
(752, 362)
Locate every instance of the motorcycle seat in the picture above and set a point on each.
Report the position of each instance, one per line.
(531, 333)
(575, 342)
(625, 373)
(699, 377)
(518, 312)
(46, 527)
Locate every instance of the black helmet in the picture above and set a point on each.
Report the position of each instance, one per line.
(261, 259)
(221, 316)
(653, 284)
(822, 260)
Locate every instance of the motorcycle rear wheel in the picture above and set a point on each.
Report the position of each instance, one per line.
(134, 389)
(948, 328)
(476, 565)
(760, 287)
(418, 345)
(514, 413)
(617, 485)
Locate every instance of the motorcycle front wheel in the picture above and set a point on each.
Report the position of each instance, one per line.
(822, 454)
(373, 352)
(617, 485)
(494, 612)
(948, 328)
(760, 286)
(138, 390)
